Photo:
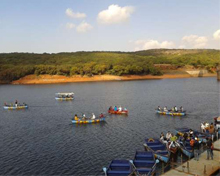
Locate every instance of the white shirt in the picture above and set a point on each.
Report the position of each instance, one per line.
(93, 116)
(168, 135)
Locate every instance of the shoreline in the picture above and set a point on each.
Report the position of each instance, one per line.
(55, 79)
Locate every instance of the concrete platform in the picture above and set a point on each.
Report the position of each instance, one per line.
(203, 167)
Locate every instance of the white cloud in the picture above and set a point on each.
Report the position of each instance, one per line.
(71, 14)
(216, 35)
(152, 44)
(70, 25)
(83, 27)
(115, 14)
(194, 41)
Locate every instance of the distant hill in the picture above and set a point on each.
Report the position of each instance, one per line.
(16, 65)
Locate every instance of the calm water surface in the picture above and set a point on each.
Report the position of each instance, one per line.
(42, 140)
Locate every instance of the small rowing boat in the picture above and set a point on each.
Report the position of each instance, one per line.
(145, 163)
(88, 121)
(179, 113)
(118, 168)
(158, 148)
(64, 96)
(186, 149)
(118, 112)
(16, 107)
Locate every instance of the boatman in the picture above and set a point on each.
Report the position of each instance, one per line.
(16, 103)
(76, 118)
(93, 116)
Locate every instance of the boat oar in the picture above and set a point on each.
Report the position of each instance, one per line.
(105, 170)
(134, 167)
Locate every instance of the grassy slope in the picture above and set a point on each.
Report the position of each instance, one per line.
(197, 58)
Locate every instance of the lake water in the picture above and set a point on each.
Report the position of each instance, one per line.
(42, 141)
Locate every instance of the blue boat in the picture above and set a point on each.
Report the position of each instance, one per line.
(15, 107)
(171, 113)
(119, 168)
(144, 162)
(88, 121)
(186, 149)
(158, 148)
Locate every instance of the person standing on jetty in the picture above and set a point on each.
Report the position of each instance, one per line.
(196, 147)
(209, 145)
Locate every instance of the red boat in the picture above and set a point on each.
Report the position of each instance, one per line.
(123, 112)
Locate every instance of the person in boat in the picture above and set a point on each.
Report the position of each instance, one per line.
(181, 109)
(115, 108)
(110, 108)
(101, 116)
(125, 109)
(16, 103)
(165, 109)
(168, 135)
(93, 116)
(204, 127)
(120, 108)
(158, 108)
(84, 116)
(173, 140)
(175, 109)
(191, 133)
(185, 136)
(76, 117)
(163, 138)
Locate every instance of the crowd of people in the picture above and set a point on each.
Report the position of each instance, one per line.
(173, 109)
(194, 142)
(170, 137)
(93, 117)
(115, 108)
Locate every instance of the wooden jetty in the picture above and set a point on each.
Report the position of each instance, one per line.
(203, 167)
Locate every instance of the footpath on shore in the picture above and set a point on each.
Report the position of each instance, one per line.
(203, 167)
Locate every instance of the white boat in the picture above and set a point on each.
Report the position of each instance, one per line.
(64, 96)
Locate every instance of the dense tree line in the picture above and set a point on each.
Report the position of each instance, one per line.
(16, 65)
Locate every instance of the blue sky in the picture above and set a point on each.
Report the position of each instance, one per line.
(95, 25)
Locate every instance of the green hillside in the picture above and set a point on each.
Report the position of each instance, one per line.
(16, 65)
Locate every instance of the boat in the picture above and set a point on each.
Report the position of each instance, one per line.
(64, 96)
(119, 168)
(201, 136)
(15, 107)
(158, 148)
(186, 149)
(118, 112)
(172, 113)
(88, 121)
(144, 162)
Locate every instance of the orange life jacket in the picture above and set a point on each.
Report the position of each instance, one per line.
(192, 141)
